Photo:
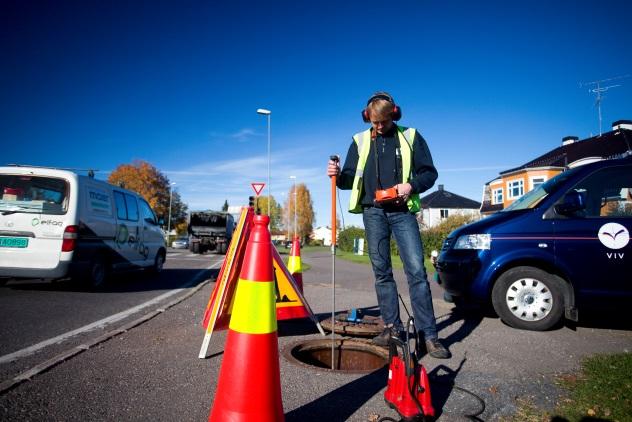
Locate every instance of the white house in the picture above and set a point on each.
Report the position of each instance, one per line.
(322, 233)
(441, 204)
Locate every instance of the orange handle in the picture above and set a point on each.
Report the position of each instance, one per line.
(333, 204)
(333, 211)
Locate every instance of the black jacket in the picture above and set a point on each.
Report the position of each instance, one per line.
(388, 172)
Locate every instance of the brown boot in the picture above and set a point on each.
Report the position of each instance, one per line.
(384, 338)
(436, 349)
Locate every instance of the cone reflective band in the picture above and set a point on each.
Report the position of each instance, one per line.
(249, 386)
(294, 263)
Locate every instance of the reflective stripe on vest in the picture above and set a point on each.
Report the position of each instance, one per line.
(363, 143)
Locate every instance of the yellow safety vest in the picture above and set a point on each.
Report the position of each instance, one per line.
(406, 137)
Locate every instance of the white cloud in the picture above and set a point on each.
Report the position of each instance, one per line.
(242, 135)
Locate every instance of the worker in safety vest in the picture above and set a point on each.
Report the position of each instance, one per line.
(386, 168)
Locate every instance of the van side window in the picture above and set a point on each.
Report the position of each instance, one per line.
(608, 192)
(132, 207)
(121, 208)
(147, 213)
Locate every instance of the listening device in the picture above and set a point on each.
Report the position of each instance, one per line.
(383, 196)
(396, 114)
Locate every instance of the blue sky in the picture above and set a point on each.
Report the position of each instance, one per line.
(490, 85)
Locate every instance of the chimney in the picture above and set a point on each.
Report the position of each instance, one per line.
(567, 140)
(622, 124)
(440, 187)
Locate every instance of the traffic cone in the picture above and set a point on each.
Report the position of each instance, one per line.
(294, 263)
(249, 386)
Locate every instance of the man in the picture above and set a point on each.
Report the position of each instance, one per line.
(382, 157)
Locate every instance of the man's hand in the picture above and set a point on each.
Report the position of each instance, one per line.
(333, 168)
(404, 190)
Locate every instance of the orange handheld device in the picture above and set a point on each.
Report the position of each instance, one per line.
(386, 195)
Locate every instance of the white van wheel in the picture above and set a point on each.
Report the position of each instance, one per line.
(97, 276)
(528, 298)
(159, 262)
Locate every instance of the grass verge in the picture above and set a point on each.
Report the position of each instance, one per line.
(602, 391)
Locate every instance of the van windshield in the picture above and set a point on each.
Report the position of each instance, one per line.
(532, 198)
(33, 194)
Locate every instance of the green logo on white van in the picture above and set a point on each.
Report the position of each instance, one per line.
(35, 221)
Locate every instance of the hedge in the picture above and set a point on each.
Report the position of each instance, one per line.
(432, 238)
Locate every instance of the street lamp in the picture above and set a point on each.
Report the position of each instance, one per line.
(267, 113)
(169, 218)
(295, 221)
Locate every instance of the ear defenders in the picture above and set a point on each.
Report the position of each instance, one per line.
(381, 95)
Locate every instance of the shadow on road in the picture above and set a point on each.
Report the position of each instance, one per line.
(615, 317)
(341, 403)
(442, 382)
(132, 281)
(470, 320)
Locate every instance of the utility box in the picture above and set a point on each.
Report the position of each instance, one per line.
(358, 246)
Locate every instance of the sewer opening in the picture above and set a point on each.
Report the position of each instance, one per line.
(350, 355)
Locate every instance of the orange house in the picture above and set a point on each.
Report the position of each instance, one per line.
(511, 184)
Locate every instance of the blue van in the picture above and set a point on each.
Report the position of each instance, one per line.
(559, 247)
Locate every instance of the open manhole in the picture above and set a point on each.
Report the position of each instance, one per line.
(350, 355)
(366, 326)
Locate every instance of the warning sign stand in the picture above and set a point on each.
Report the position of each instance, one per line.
(290, 302)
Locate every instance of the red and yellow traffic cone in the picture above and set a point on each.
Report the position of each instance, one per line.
(294, 263)
(249, 386)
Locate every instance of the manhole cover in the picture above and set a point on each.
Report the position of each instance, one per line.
(350, 355)
(368, 326)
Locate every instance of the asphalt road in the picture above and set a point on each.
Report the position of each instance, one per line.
(38, 319)
(151, 371)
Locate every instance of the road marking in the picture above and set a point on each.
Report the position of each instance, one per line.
(103, 322)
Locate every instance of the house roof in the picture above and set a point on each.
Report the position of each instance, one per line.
(607, 145)
(441, 198)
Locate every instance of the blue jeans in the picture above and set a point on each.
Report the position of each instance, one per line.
(379, 225)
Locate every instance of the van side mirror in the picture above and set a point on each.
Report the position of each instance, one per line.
(573, 201)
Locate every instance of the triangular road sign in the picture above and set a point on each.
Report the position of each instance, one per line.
(258, 187)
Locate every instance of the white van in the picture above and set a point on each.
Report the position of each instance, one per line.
(56, 223)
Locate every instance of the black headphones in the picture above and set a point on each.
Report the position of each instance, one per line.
(381, 95)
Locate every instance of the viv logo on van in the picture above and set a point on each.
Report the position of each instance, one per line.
(614, 236)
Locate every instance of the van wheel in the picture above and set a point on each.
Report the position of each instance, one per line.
(528, 298)
(159, 262)
(98, 273)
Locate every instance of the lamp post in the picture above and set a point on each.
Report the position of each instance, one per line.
(294, 189)
(169, 218)
(267, 113)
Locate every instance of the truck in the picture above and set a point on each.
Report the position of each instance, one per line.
(210, 230)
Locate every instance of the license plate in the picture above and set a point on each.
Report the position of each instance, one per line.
(14, 242)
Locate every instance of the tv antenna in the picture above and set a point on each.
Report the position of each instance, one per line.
(597, 88)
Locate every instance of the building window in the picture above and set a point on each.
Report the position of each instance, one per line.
(444, 214)
(537, 181)
(497, 196)
(515, 189)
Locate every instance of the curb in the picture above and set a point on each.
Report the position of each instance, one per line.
(70, 353)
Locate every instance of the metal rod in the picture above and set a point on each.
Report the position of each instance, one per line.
(333, 265)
